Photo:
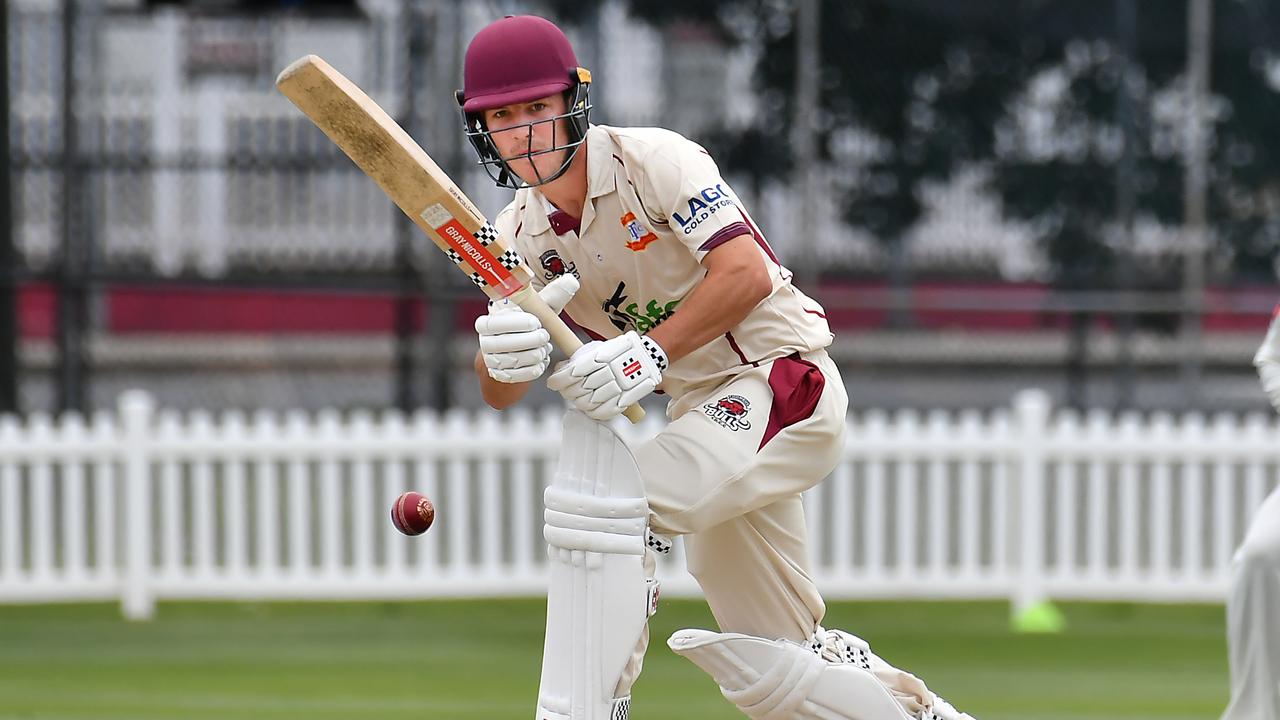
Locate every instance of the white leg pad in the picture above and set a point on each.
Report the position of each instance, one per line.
(781, 680)
(599, 599)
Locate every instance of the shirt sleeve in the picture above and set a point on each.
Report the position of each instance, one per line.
(1268, 361)
(683, 186)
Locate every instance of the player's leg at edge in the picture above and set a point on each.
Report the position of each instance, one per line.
(834, 677)
(601, 591)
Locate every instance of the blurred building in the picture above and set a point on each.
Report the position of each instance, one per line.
(232, 257)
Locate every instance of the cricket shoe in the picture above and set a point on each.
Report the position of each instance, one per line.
(839, 647)
(943, 710)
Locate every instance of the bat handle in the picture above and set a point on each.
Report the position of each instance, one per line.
(561, 335)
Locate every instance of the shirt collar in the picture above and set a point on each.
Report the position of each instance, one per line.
(533, 211)
(547, 216)
(602, 176)
(601, 180)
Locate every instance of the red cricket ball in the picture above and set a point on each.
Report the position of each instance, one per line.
(413, 513)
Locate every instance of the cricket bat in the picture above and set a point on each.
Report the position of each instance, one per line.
(404, 171)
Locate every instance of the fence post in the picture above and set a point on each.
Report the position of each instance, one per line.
(166, 145)
(211, 135)
(1032, 611)
(137, 410)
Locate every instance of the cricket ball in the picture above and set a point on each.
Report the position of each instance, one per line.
(413, 513)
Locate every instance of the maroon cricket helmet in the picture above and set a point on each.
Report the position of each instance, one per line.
(518, 59)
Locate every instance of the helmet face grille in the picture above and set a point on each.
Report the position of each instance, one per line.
(490, 158)
(519, 59)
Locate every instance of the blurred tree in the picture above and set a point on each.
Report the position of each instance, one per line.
(1244, 201)
(913, 90)
(1060, 141)
(892, 76)
(1056, 160)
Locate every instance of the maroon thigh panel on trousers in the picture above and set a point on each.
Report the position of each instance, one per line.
(728, 472)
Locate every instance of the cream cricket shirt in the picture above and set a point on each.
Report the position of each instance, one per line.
(656, 206)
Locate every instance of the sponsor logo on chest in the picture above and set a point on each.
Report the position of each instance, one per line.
(640, 236)
(630, 316)
(554, 266)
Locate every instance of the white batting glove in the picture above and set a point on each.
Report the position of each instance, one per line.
(1268, 361)
(515, 346)
(605, 377)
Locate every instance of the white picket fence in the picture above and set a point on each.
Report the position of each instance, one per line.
(1025, 504)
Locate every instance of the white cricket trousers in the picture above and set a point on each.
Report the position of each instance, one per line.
(727, 474)
(1253, 619)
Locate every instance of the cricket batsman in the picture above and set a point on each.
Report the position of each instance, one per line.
(1253, 610)
(635, 235)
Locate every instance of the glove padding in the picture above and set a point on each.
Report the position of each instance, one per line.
(605, 377)
(515, 346)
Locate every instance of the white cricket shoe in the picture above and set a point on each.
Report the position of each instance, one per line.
(840, 647)
(943, 710)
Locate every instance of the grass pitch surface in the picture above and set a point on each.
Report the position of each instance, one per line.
(480, 660)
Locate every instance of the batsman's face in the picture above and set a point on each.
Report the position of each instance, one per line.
(528, 135)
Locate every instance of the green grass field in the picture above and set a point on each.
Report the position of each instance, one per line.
(480, 660)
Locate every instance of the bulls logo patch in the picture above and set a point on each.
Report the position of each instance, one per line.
(555, 266)
(641, 236)
(730, 411)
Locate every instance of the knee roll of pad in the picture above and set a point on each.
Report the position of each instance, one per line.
(575, 521)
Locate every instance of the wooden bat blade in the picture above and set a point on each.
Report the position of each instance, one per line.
(413, 181)
(405, 172)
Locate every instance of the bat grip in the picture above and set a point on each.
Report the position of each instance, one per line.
(561, 336)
